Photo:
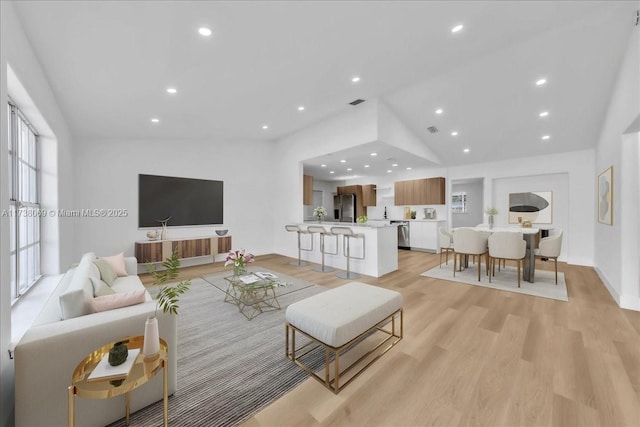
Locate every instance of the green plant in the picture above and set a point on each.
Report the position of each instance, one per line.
(362, 219)
(492, 211)
(168, 296)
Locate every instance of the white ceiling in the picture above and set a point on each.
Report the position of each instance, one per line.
(109, 64)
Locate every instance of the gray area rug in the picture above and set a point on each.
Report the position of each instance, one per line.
(229, 368)
(506, 280)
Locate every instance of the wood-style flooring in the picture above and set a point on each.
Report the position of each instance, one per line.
(474, 356)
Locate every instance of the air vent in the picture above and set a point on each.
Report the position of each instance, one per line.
(357, 101)
(433, 129)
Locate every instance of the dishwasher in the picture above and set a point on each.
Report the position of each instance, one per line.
(403, 234)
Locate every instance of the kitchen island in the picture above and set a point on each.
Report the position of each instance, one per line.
(380, 247)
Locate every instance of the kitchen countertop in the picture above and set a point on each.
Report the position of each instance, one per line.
(373, 224)
(421, 220)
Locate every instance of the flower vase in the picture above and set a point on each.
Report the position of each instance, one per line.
(151, 344)
(239, 270)
(490, 221)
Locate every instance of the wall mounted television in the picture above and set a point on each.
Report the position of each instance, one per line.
(187, 201)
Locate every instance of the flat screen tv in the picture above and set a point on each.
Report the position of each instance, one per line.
(186, 201)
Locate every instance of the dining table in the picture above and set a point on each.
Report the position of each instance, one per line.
(528, 234)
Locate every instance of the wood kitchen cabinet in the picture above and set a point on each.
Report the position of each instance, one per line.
(307, 190)
(426, 191)
(369, 195)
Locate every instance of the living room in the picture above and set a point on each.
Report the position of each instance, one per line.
(263, 174)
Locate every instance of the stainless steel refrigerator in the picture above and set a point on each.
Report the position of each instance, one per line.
(344, 208)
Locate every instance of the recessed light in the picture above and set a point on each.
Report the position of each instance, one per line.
(389, 171)
(155, 120)
(394, 165)
(374, 154)
(172, 90)
(454, 133)
(343, 161)
(301, 108)
(265, 127)
(540, 82)
(439, 111)
(323, 166)
(466, 150)
(544, 114)
(545, 137)
(366, 166)
(457, 28)
(408, 168)
(349, 169)
(355, 79)
(204, 31)
(331, 171)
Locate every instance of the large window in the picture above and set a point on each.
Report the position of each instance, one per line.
(24, 207)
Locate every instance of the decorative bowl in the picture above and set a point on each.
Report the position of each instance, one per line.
(221, 232)
(152, 235)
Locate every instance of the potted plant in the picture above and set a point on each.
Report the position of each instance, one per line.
(491, 212)
(167, 299)
(239, 259)
(319, 212)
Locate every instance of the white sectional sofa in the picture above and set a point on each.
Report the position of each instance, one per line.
(51, 349)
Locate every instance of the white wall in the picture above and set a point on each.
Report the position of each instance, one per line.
(352, 128)
(109, 180)
(16, 52)
(623, 111)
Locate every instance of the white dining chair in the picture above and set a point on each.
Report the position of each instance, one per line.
(550, 247)
(506, 246)
(470, 242)
(445, 239)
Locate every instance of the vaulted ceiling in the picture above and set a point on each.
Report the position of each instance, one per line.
(110, 63)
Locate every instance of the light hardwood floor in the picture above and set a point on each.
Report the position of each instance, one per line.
(473, 356)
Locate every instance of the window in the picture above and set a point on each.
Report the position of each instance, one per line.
(459, 202)
(24, 207)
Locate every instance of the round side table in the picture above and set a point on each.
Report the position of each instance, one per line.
(141, 372)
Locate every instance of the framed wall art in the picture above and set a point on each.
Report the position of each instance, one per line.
(605, 196)
(533, 206)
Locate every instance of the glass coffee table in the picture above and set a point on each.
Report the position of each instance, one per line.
(252, 294)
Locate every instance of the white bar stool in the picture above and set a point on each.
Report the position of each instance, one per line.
(300, 231)
(348, 234)
(313, 229)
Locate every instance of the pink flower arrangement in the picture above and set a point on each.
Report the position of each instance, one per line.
(239, 259)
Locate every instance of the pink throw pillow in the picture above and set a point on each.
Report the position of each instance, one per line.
(117, 263)
(122, 299)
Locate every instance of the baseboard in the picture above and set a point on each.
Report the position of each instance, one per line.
(608, 285)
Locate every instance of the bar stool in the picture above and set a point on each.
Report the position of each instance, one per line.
(348, 234)
(300, 231)
(313, 229)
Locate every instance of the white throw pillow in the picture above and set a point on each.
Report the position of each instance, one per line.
(117, 263)
(72, 304)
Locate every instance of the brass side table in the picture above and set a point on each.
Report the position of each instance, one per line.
(141, 372)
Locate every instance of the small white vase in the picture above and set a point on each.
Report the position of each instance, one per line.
(151, 345)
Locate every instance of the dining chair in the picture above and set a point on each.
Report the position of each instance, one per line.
(506, 246)
(445, 239)
(470, 242)
(549, 247)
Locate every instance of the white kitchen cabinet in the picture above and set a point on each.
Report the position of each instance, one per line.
(424, 234)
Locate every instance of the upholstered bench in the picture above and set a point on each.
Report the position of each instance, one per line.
(338, 320)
